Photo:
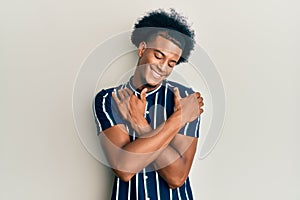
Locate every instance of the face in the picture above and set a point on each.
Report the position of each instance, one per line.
(157, 60)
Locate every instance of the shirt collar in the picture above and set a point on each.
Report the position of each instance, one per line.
(138, 92)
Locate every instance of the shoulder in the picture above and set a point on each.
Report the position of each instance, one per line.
(105, 93)
(184, 90)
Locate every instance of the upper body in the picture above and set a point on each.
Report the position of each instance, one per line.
(159, 107)
(151, 125)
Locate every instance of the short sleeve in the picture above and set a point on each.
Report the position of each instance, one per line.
(105, 111)
(191, 129)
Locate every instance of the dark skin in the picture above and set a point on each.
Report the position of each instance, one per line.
(170, 153)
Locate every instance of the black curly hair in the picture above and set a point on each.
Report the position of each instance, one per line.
(170, 25)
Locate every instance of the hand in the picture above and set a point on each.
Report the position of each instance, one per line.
(190, 106)
(132, 109)
(123, 102)
(137, 107)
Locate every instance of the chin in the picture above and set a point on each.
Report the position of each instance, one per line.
(149, 85)
(153, 84)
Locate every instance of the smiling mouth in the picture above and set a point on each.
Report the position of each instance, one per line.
(155, 74)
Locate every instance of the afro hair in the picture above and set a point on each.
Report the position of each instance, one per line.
(173, 26)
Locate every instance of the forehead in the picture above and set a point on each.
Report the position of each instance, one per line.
(164, 45)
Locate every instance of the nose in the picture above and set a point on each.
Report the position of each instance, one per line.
(162, 66)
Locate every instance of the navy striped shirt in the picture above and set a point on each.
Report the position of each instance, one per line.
(147, 184)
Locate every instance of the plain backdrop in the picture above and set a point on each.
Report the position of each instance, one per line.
(254, 44)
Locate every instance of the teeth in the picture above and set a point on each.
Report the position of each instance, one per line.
(156, 75)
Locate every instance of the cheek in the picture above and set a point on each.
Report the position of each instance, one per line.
(143, 62)
(149, 60)
(169, 72)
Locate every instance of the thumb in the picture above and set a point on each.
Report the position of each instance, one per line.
(177, 98)
(176, 93)
(143, 94)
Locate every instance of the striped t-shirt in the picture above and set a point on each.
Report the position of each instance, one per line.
(147, 184)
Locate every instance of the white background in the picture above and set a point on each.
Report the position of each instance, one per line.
(255, 45)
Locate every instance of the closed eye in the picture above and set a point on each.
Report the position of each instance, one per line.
(172, 64)
(158, 55)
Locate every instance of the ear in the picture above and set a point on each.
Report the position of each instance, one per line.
(141, 48)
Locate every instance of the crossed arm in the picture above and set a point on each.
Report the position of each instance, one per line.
(170, 153)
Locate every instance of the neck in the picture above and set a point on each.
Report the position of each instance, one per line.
(139, 83)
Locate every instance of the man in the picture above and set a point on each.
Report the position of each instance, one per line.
(150, 125)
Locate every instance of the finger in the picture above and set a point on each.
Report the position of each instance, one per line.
(143, 94)
(176, 93)
(113, 94)
(200, 100)
(121, 95)
(197, 95)
(201, 111)
(125, 94)
(133, 99)
(128, 91)
(201, 104)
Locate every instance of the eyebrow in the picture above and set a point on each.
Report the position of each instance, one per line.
(164, 55)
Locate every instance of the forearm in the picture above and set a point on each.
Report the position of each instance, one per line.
(174, 163)
(171, 166)
(166, 157)
(156, 139)
(128, 158)
(170, 163)
(141, 128)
